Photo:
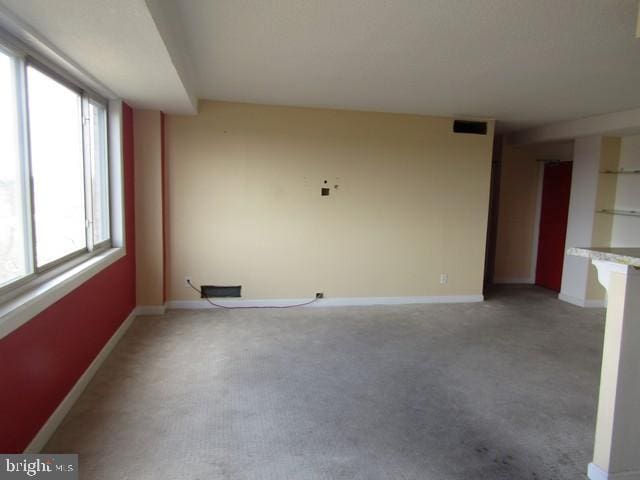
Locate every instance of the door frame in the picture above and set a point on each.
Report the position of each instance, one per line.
(533, 268)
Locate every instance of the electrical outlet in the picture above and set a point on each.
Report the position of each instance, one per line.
(319, 295)
(187, 280)
(444, 278)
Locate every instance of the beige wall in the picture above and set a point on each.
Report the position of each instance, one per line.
(148, 206)
(519, 180)
(626, 229)
(245, 206)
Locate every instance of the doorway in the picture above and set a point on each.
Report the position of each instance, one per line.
(554, 212)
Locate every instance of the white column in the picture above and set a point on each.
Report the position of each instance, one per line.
(582, 206)
(617, 443)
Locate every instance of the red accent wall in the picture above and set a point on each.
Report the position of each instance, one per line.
(42, 360)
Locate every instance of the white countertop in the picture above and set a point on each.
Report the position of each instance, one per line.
(624, 256)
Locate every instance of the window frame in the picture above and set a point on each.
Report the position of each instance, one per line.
(87, 99)
(22, 59)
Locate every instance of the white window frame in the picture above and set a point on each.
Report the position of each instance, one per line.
(25, 297)
(87, 99)
(24, 61)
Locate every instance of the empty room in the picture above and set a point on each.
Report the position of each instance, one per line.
(320, 240)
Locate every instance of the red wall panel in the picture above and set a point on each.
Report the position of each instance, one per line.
(42, 360)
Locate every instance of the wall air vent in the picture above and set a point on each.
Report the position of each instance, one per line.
(467, 126)
(211, 291)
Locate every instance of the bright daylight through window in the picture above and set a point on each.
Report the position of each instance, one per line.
(54, 172)
(13, 244)
(55, 133)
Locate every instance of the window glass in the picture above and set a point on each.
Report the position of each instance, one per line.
(13, 246)
(99, 171)
(55, 127)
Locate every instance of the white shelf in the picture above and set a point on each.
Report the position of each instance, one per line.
(629, 213)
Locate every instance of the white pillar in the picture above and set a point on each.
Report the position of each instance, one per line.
(617, 443)
(582, 206)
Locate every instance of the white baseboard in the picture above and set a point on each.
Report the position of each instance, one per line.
(506, 281)
(581, 302)
(326, 302)
(596, 473)
(150, 310)
(50, 426)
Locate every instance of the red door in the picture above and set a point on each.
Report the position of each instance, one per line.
(554, 212)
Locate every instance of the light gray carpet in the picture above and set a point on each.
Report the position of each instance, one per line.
(504, 389)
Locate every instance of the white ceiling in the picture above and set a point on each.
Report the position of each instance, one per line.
(524, 62)
(116, 41)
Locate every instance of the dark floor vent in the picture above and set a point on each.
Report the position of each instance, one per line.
(467, 126)
(212, 291)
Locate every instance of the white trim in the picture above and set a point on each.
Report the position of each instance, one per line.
(326, 302)
(581, 302)
(536, 225)
(18, 310)
(527, 281)
(150, 310)
(50, 426)
(596, 473)
(115, 150)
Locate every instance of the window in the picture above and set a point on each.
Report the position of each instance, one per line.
(99, 168)
(54, 171)
(55, 134)
(14, 245)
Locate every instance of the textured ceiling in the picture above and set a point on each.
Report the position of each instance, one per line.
(116, 41)
(523, 62)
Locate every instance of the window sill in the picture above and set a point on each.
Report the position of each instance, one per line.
(19, 309)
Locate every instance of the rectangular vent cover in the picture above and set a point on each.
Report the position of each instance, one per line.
(212, 291)
(466, 126)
